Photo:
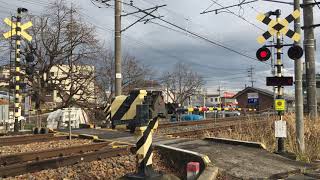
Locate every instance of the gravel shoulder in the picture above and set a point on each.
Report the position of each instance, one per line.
(40, 146)
(109, 168)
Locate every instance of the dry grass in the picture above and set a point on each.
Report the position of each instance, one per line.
(265, 134)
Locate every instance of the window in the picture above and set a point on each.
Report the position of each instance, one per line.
(211, 99)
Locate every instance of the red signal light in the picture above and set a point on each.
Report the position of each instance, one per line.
(263, 54)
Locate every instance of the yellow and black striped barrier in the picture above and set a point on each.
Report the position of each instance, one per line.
(144, 152)
(54, 109)
(210, 109)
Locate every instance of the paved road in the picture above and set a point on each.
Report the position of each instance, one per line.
(236, 160)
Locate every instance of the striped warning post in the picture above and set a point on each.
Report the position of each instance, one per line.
(144, 149)
(18, 98)
(280, 26)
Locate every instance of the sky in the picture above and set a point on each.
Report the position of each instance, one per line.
(160, 45)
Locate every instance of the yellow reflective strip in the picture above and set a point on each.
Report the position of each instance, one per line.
(26, 25)
(190, 109)
(17, 78)
(296, 37)
(284, 22)
(226, 109)
(284, 30)
(145, 147)
(26, 36)
(260, 17)
(261, 39)
(149, 162)
(18, 42)
(9, 22)
(272, 23)
(9, 34)
(17, 69)
(17, 87)
(219, 109)
(16, 105)
(296, 14)
(211, 109)
(239, 109)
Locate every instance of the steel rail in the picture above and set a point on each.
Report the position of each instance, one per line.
(206, 121)
(30, 167)
(15, 140)
(199, 132)
(46, 154)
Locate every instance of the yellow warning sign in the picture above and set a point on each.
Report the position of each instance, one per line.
(280, 105)
(13, 32)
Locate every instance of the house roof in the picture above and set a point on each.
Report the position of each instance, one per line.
(261, 91)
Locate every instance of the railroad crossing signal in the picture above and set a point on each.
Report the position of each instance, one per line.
(263, 54)
(295, 52)
(23, 27)
(281, 27)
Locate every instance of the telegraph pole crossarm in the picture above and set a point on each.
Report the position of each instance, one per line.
(143, 17)
(227, 7)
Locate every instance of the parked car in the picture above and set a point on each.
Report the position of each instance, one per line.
(231, 113)
(5, 95)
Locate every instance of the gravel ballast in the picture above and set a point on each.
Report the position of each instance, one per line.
(109, 168)
(40, 146)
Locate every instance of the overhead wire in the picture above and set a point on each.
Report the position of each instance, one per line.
(200, 36)
(165, 53)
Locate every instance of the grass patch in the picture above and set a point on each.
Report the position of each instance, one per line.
(265, 134)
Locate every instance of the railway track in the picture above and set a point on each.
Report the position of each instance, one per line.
(22, 163)
(207, 121)
(26, 139)
(217, 127)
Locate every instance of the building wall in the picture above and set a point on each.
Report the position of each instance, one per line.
(265, 102)
(61, 71)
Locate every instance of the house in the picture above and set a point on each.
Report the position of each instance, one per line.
(4, 76)
(260, 99)
(213, 100)
(82, 79)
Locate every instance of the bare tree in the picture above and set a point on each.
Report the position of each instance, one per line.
(181, 83)
(133, 72)
(61, 40)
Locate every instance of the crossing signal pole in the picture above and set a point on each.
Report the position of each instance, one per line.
(17, 31)
(276, 28)
(279, 89)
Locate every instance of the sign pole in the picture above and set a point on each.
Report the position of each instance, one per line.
(17, 99)
(279, 89)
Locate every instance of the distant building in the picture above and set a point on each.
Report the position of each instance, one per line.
(260, 99)
(83, 79)
(213, 100)
(4, 76)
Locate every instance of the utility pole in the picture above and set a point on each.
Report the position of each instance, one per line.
(309, 47)
(117, 47)
(298, 87)
(250, 74)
